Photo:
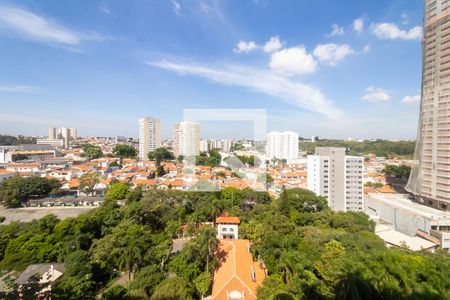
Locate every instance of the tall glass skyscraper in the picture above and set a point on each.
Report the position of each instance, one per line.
(430, 177)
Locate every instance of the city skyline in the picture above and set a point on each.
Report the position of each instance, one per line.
(220, 149)
(296, 68)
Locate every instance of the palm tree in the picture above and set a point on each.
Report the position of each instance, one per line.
(214, 209)
(289, 266)
(130, 259)
(208, 243)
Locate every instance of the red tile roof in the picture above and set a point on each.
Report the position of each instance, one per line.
(235, 270)
(228, 220)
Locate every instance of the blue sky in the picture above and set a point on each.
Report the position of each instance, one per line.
(331, 68)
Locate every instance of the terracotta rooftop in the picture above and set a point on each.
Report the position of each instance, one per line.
(145, 181)
(18, 165)
(228, 220)
(237, 272)
(3, 171)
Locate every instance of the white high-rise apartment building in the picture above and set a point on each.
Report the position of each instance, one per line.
(204, 146)
(221, 145)
(226, 145)
(65, 133)
(282, 145)
(337, 177)
(149, 136)
(52, 133)
(186, 138)
(73, 133)
(430, 177)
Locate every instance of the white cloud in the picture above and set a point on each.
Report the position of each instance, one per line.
(391, 31)
(17, 88)
(366, 49)
(358, 25)
(273, 44)
(262, 81)
(104, 9)
(335, 31)
(332, 53)
(374, 94)
(31, 26)
(411, 99)
(404, 18)
(204, 7)
(176, 7)
(293, 61)
(245, 47)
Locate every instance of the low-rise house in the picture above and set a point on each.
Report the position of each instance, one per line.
(24, 168)
(237, 276)
(393, 238)
(65, 201)
(61, 174)
(227, 227)
(177, 184)
(146, 183)
(45, 273)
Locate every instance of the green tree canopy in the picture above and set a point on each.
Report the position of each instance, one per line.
(398, 171)
(15, 191)
(88, 182)
(92, 152)
(173, 288)
(160, 154)
(117, 191)
(124, 151)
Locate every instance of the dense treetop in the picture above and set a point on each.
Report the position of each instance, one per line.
(379, 147)
(9, 140)
(92, 152)
(311, 252)
(124, 151)
(17, 190)
(397, 171)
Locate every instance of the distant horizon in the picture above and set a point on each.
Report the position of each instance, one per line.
(349, 139)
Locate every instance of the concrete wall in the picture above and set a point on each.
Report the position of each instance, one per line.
(404, 221)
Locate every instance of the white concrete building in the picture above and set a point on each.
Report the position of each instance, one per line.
(282, 145)
(186, 139)
(51, 142)
(73, 133)
(52, 133)
(24, 168)
(204, 146)
(337, 177)
(149, 136)
(61, 174)
(226, 145)
(227, 228)
(410, 217)
(65, 134)
(221, 145)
